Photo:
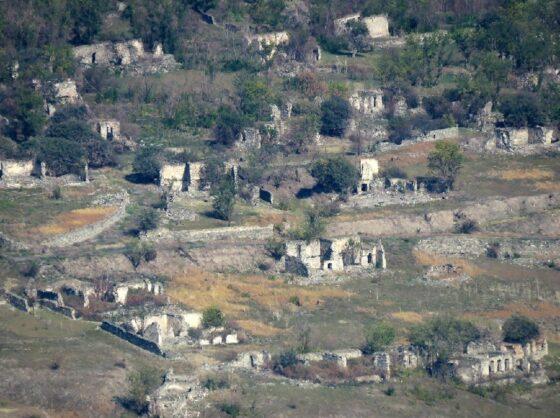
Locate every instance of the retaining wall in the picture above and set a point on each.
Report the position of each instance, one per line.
(17, 301)
(132, 338)
(214, 234)
(445, 220)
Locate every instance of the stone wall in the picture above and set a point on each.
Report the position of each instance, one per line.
(16, 168)
(56, 307)
(259, 233)
(378, 26)
(17, 301)
(367, 102)
(132, 338)
(90, 231)
(445, 220)
(109, 129)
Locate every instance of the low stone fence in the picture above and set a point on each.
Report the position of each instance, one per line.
(55, 307)
(17, 301)
(92, 230)
(445, 220)
(215, 234)
(431, 136)
(132, 338)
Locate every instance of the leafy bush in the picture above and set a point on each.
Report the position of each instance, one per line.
(378, 337)
(335, 113)
(522, 110)
(147, 220)
(31, 269)
(62, 156)
(443, 336)
(313, 226)
(284, 360)
(335, 174)
(467, 226)
(215, 383)
(394, 172)
(146, 164)
(520, 329)
(276, 248)
(294, 300)
(446, 161)
(229, 124)
(223, 195)
(231, 409)
(56, 193)
(212, 317)
(140, 384)
(493, 250)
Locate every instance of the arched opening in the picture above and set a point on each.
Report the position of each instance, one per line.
(364, 187)
(370, 258)
(329, 266)
(93, 57)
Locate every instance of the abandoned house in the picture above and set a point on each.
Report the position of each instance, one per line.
(268, 42)
(377, 26)
(189, 177)
(109, 129)
(303, 257)
(490, 362)
(369, 170)
(367, 102)
(174, 397)
(509, 138)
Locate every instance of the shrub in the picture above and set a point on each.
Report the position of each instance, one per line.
(466, 227)
(229, 124)
(520, 329)
(312, 227)
(147, 220)
(335, 113)
(141, 383)
(522, 110)
(294, 300)
(62, 156)
(31, 269)
(212, 317)
(231, 409)
(442, 336)
(394, 172)
(390, 391)
(446, 161)
(285, 360)
(275, 248)
(493, 250)
(378, 338)
(335, 174)
(215, 383)
(146, 164)
(56, 193)
(223, 195)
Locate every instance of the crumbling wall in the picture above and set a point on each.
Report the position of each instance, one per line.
(367, 102)
(259, 233)
(173, 176)
(132, 338)
(16, 168)
(17, 301)
(377, 26)
(109, 129)
(270, 40)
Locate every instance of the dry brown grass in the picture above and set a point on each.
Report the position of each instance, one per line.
(408, 316)
(74, 219)
(548, 186)
(524, 174)
(235, 294)
(268, 218)
(409, 155)
(427, 259)
(258, 329)
(540, 310)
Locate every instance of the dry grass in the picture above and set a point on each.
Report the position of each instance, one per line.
(524, 174)
(75, 219)
(408, 316)
(427, 259)
(548, 186)
(258, 329)
(540, 310)
(409, 155)
(235, 294)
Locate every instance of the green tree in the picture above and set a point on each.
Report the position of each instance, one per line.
(302, 133)
(521, 110)
(378, 337)
(62, 156)
(254, 98)
(146, 164)
(147, 220)
(213, 317)
(446, 161)
(223, 197)
(442, 336)
(312, 227)
(140, 384)
(229, 125)
(335, 113)
(520, 329)
(335, 174)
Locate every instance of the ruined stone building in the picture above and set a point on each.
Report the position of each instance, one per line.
(304, 258)
(510, 138)
(367, 102)
(268, 41)
(369, 171)
(128, 54)
(188, 177)
(109, 129)
(173, 399)
(486, 361)
(377, 26)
